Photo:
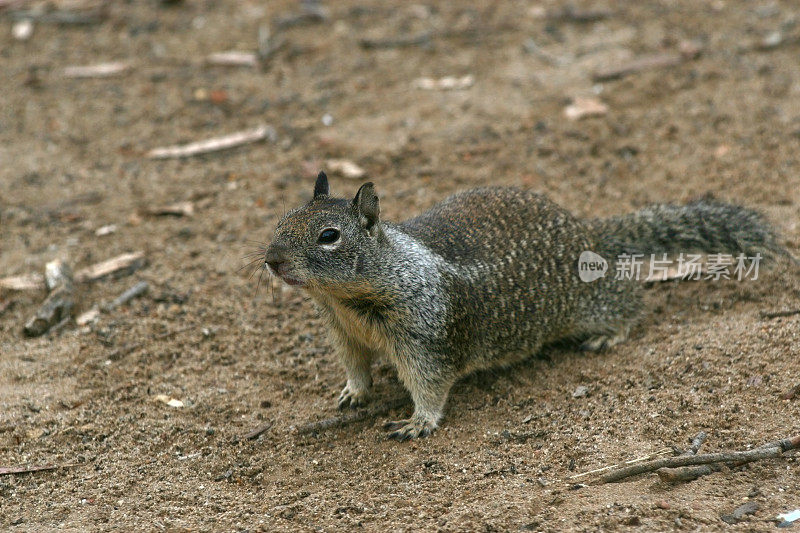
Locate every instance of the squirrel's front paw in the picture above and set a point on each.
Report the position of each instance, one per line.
(414, 428)
(353, 397)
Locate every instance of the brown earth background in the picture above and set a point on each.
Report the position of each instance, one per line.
(72, 159)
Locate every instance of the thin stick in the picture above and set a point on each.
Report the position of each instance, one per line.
(214, 145)
(350, 418)
(697, 442)
(777, 314)
(704, 459)
(134, 292)
(233, 59)
(100, 70)
(687, 473)
(10, 470)
(649, 457)
(258, 431)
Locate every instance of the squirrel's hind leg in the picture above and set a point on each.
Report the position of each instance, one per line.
(606, 317)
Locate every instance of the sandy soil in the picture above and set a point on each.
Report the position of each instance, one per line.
(72, 153)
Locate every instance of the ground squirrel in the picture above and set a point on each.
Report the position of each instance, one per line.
(483, 279)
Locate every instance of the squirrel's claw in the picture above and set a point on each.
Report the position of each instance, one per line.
(352, 398)
(413, 428)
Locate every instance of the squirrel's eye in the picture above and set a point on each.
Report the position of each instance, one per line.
(328, 236)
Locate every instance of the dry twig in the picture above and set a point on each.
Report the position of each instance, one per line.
(778, 314)
(9, 470)
(57, 307)
(775, 449)
(350, 418)
(101, 70)
(258, 431)
(687, 473)
(215, 144)
(134, 292)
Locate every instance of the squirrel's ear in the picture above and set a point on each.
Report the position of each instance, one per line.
(367, 206)
(321, 186)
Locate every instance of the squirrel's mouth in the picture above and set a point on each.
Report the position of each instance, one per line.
(287, 277)
(290, 280)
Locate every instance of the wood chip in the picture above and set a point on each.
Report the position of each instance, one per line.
(180, 209)
(215, 144)
(448, 83)
(172, 402)
(233, 59)
(22, 283)
(344, 168)
(101, 70)
(121, 265)
(87, 317)
(584, 108)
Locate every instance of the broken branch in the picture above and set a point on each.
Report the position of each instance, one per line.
(740, 457)
(57, 307)
(350, 418)
(778, 314)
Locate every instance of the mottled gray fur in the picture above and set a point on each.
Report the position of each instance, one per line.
(483, 279)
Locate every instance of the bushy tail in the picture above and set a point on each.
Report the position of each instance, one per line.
(705, 226)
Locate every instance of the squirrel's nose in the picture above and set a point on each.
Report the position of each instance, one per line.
(275, 256)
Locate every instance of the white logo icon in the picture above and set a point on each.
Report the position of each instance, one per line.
(591, 266)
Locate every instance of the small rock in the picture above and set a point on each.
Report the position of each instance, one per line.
(663, 504)
(580, 391)
(22, 30)
(744, 509)
(772, 40)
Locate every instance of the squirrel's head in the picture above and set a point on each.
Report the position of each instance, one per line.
(325, 243)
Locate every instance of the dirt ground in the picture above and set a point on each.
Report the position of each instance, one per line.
(72, 160)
